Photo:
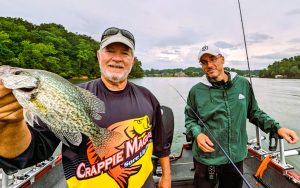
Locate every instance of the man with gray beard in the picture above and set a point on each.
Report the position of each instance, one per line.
(131, 110)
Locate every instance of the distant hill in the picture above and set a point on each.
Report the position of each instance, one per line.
(191, 72)
(286, 68)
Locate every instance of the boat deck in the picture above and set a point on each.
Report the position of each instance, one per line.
(182, 173)
(51, 174)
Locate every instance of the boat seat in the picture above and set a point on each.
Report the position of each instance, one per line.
(168, 124)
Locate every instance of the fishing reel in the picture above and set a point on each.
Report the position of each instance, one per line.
(189, 136)
(273, 140)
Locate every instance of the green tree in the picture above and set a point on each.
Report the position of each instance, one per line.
(47, 46)
(137, 71)
(6, 54)
(288, 67)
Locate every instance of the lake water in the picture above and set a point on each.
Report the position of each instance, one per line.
(280, 98)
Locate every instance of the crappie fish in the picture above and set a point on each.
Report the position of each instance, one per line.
(66, 109)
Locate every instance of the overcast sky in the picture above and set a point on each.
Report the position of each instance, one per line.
(169, 33)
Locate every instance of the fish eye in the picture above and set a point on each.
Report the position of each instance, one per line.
(27, 89)
(18, 72)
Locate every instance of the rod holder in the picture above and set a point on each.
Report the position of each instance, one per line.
(281, 150)
(4, 179)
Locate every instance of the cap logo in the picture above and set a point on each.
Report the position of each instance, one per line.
(204, 48)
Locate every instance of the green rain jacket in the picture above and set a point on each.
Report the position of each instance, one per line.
(224, 110)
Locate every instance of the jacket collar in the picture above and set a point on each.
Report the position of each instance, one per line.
(205, 81)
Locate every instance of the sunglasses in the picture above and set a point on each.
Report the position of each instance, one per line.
(212, 59)
(113, 31)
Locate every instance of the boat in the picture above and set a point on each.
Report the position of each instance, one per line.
(278, 173)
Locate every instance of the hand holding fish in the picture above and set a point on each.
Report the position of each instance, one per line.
(10, 109)
(14, 134)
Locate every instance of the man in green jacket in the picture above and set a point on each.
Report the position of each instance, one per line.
(223, 100)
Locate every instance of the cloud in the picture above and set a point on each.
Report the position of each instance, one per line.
(257, 38)
(293, 12)
(224, 45)
(271, 56)
(172, 51)
(242, 65)
(295, 40)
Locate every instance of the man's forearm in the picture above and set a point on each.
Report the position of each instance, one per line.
(165, 165)
(14, 139)
(165, 180)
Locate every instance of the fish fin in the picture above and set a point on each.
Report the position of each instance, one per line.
(96, 106)
(122, 175)
(57, 133)
(29, 117)
(74, 138)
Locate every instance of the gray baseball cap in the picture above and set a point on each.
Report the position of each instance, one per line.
(113, 34)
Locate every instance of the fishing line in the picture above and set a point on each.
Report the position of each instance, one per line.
(258, 142)
(245, 43)
(214, 138)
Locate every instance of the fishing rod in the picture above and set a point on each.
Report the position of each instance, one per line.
(214, 138)
(258, 133)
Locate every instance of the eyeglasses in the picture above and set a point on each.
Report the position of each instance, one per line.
(113, 31)
(211, 58)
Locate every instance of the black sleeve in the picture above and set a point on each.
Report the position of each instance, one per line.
(42, 146)
(161, 141)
